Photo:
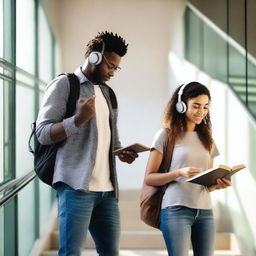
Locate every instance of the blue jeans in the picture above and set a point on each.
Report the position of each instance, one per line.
(180, 225)
(79, 211)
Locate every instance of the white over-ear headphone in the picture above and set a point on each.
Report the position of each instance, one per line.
(95, 58)
(180, 105)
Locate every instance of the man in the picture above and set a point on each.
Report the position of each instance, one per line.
(85, 174)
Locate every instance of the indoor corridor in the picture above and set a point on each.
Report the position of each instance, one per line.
(170, 43)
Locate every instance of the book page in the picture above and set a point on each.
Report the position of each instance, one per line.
(209, 177)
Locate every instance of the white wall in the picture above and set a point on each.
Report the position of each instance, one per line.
(153, 28)
(234, 133)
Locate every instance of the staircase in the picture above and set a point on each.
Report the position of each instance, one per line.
(238, 83)
(137, 239)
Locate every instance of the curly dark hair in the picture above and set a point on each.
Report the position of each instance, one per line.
(176, 121)
(113, 43)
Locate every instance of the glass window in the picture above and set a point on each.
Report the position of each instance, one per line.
(17, 112)
(251, 24)
(251, 62)
(1, 132)
(193, 39)
(57, 59)
(26, 219)
(45, 204)
(2, 231)
(8, 31)
(25, 32)
(251, 80)
(237, 61)
(24, 104)
(45, 48)
(7, 130)
(214, 54)
(237, 72)
(1, 30)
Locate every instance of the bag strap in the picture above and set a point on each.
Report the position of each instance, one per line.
(112, 96)
(167, 157)
(113, 99)
(73, 94)
(33, 127)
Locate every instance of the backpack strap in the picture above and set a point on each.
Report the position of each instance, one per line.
(73, 94)
(112, 96)
(168, 152)
(33, 128)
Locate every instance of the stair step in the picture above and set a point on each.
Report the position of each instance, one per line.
(148, 240)
(251, 98)
(142, 253)
(241, 80)
(138, 239)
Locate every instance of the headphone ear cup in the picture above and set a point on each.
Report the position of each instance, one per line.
(181, 107)
(95, 58)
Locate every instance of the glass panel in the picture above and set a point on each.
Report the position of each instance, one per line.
(251, 24)
(7, 130)
(26, 219)
(1, 231)
(45, 48)
(252, 86)
(8, 31)
(236, 21)
(41, 93)
(9, 228)
(1, 132)
(24, 104)
(45, 204)
(251, 45)
(215, 54)
(237, 73)
(193, 37)
(25, 28)
(1, 30)
(57, 59)
(24, 79)
(237, 62)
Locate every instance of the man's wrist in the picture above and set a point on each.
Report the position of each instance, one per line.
(77, 120)
(70, 126)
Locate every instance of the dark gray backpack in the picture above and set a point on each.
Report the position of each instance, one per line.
(45, 155)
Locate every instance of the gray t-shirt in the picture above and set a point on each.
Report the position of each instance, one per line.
(188, 152)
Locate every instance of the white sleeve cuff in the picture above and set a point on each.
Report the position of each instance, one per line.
(69, 126)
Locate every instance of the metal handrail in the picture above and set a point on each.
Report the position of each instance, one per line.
(9, 66)
(12, 187)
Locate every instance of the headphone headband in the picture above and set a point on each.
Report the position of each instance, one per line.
(181, 106)
(181, 91)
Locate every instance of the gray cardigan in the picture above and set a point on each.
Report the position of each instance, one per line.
(76, 156)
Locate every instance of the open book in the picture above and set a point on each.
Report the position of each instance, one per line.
(209, 177)
(136, 147)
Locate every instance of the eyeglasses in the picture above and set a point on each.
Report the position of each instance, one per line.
(111, 66)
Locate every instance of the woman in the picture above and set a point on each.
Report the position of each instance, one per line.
(186, 207)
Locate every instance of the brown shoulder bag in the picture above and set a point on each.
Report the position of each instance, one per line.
(151, 196)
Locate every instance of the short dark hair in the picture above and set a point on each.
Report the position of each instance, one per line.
(113, 43)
